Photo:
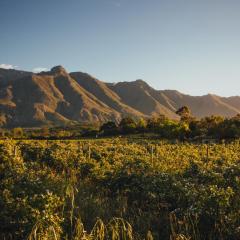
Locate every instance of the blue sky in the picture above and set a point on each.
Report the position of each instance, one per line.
(189, 45)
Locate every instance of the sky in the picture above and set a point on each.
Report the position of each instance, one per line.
(192, 46)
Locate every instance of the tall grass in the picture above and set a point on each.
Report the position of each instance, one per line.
(116, 229)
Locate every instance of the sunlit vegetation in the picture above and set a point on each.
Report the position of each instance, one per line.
(119, 188)
(186, 128)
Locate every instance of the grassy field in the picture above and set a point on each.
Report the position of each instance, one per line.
(119, 188)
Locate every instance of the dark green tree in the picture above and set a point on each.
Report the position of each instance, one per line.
(109, 128)
(127, 125)
(185, 114)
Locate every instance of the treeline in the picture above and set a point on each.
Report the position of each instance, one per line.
(188, 127)
(47, 132)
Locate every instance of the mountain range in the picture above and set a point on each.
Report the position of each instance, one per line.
(57, 97)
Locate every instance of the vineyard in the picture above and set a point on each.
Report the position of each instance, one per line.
(119, 189)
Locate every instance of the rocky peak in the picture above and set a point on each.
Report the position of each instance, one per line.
(58, 70)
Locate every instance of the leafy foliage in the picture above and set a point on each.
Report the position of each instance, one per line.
(84, 190)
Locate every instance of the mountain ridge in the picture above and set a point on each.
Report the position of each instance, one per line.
(57, 97)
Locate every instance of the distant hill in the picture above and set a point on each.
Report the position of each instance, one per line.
(58, 97)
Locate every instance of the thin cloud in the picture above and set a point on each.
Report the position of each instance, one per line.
(39, 69)
(8, 66)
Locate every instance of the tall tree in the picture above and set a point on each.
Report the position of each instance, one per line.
(127, 125)
(109, 128)
(185, 114)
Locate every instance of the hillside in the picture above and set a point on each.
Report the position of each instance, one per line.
(59, 97)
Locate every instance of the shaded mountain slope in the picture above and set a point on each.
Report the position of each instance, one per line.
(139, 95)
(202, 105)
(10, 75)
(102, 92)
(50, 97)
(58, 97)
